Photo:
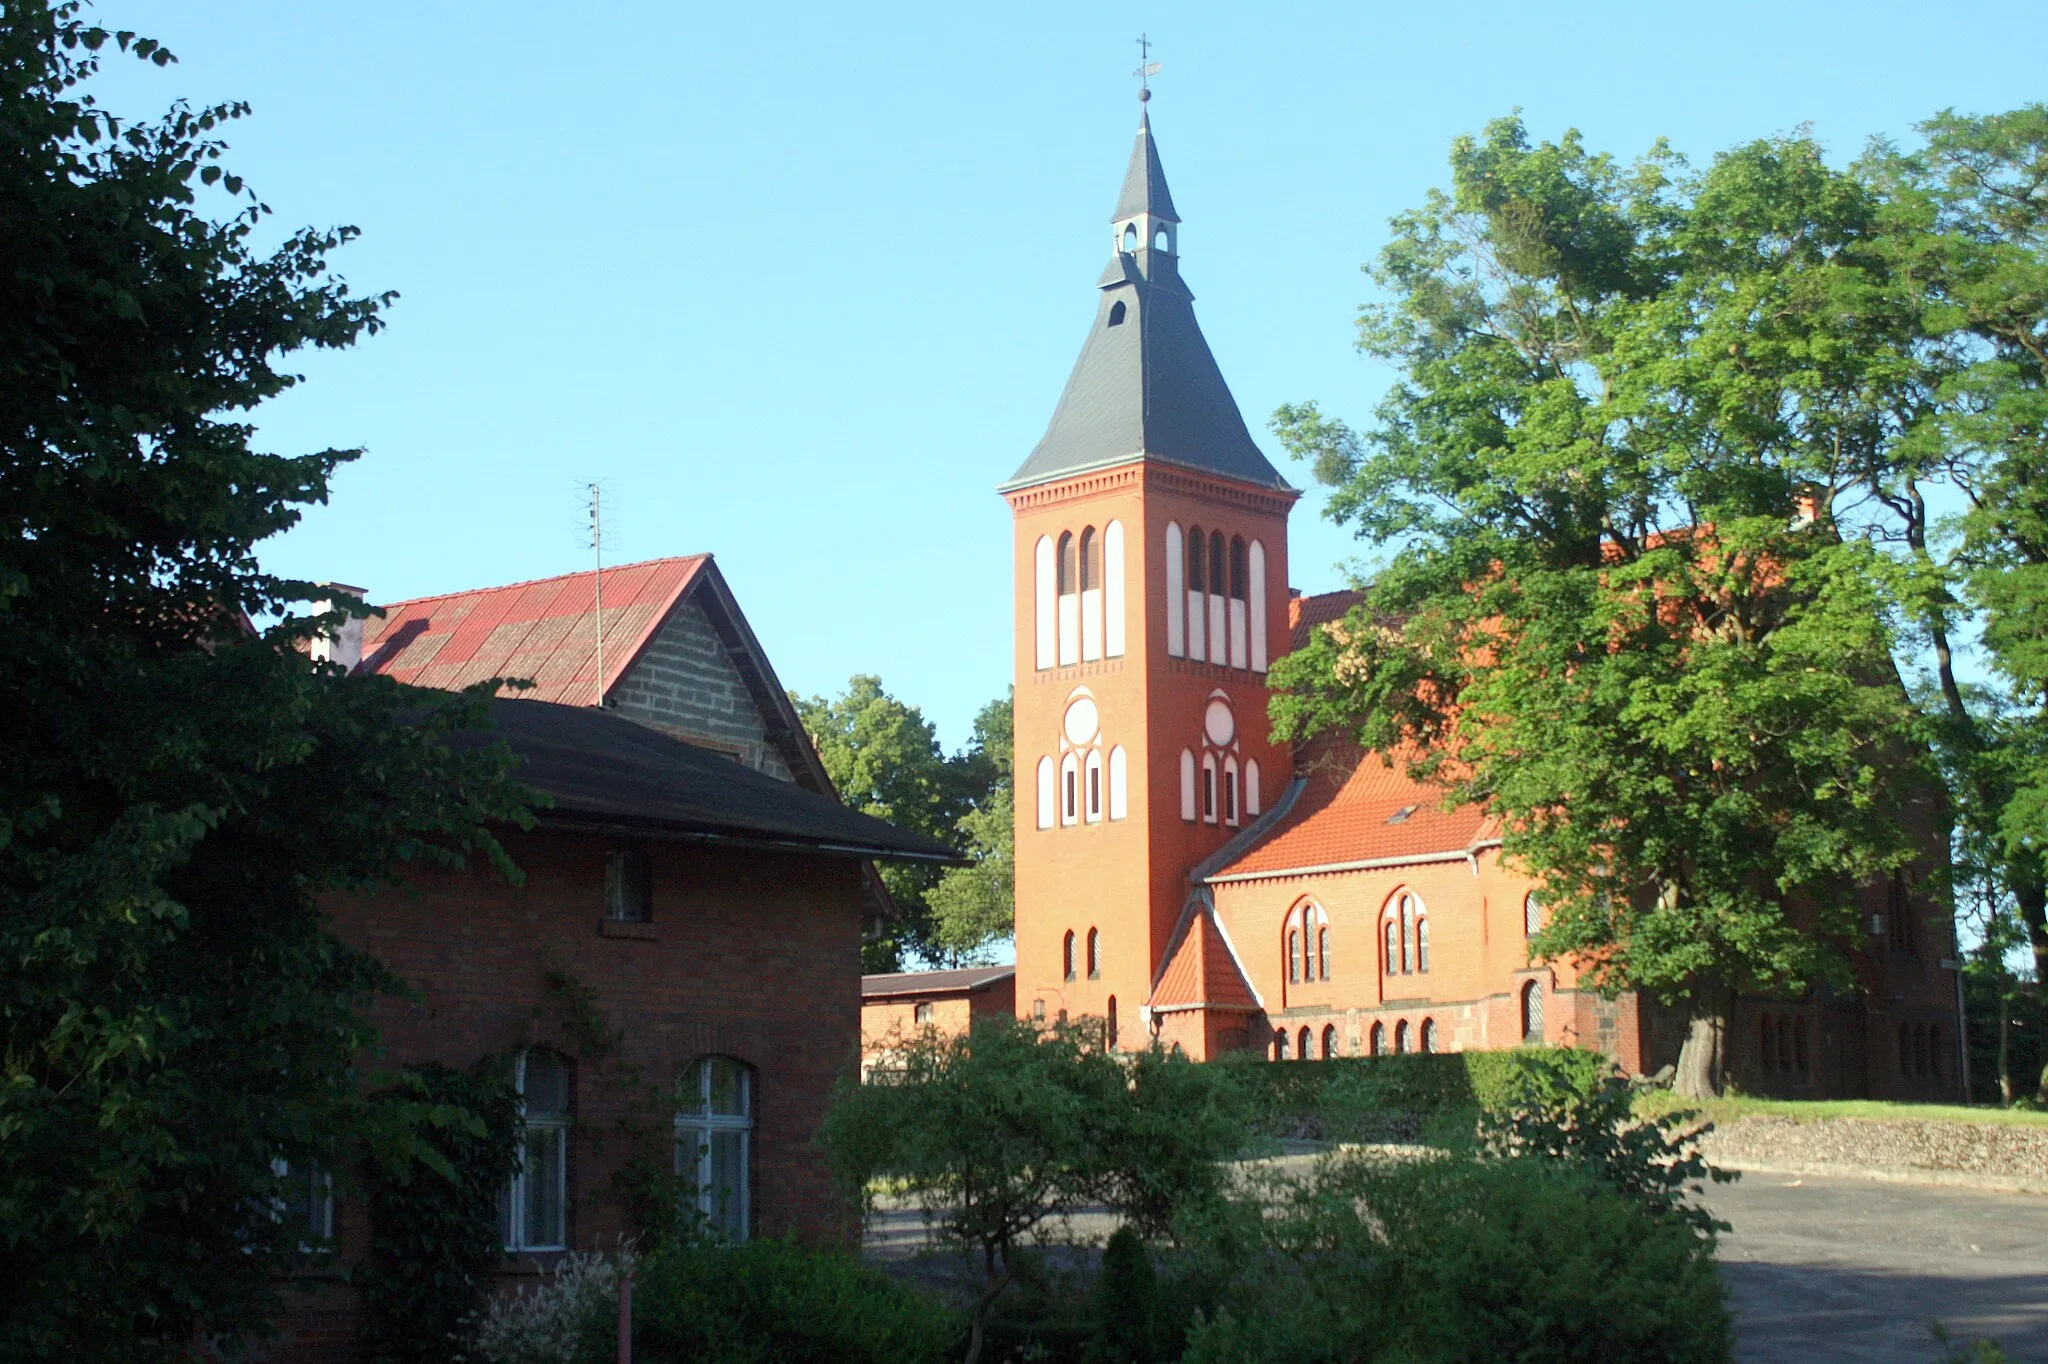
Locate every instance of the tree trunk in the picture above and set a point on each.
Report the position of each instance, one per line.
(2004, 1048)
(1703, 1060)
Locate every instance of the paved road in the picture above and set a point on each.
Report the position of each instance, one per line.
(1853, 1271)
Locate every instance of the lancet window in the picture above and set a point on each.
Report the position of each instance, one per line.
(1078, 596)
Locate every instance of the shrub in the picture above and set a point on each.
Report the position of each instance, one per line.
(773, 1302)
(1402, 1097)
(1455, 1260)
(546, 1324)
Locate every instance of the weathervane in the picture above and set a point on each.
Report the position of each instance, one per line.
(1147, 68)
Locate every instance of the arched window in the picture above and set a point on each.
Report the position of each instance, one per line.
(1047, 797)
(1091, 595)
(1329, 1041)
(1187, 785)
(1113, 589)
(1067, 955)
(1109, 1025)
(533, 1214)
(714, 1141)
(1094, 775)
(1208, 788)
(1322, 951)
(1094, 955)
(1401, 1037)
(1392, 933)
(1258, 604)
(1198, 588)
(1069, 599)
(1532, 1012)
(1119, 783)
(1305, 1047)
(1130, 242)
(1422, 946)
(1532, 915)
(1239, 619)
(1429, 1043)
(1159, 240)
(1116, 313)
(1070, 789)
(1219, 571)
(1230, 791)
(1280, 1044)
(1045, 594)
(1251, 786)
(1376, 1040)
(1176, 591)
(1293, 955)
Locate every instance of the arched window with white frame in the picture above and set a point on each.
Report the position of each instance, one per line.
(1251, 787)
(1093, 780)
(1113, 589)
(1258, 606)
(1070, 789)
(1094, 954)
(1532, 1012)
(1091, 595)
(1239, 587)
(1048, 800)
(1119, 783)
(1230, 792)
(714, 1142)
(1422, 945)
(1176, 592)
(1045, 603)
(1198, 593)
(1219, 583)
(533, 1211)
(1069, 556)
(1187, 785)
(1208, 788)
(1532, 915)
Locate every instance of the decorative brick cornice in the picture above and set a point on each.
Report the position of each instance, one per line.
(1150, 474)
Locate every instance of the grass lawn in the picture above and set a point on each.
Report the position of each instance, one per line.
(1729, 1109)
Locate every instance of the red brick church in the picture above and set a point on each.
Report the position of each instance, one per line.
(1182, 875)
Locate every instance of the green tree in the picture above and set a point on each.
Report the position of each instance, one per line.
(1968, 227)
(886, 760)
(176, 788)
(1623, 615)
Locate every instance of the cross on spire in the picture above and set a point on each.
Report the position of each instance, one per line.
(1147, 68)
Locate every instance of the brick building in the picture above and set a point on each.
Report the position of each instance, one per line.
(894, 1006)
(676, 978)
(1178, 869)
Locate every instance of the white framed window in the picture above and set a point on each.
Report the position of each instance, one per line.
(628, 886)
(1176, 594)
(1094, 778)
(714, 1142)
(1208, 788)
(1113, 589)
(1119, 783)
(1070, 790)
(1230, 791)
(1187, 785)
(305, 1203)
(533, 1210)
(1044, 594)
(1046, 799)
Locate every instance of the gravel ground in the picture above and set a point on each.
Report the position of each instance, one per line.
(1987, 1151)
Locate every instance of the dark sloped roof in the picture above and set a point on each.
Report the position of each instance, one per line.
(604, 769)
(1144, 188)
(966, 980)
(1146, 385)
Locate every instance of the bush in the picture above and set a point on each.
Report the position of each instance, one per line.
(1378, 1098)
(546, 1324)
(772, 1302)
(1455, 1260)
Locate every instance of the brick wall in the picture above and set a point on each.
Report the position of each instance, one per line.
(685, 684)
(753, 955)
(886, 1021)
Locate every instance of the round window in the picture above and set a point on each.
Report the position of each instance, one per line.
(1082, 721)
(1220, 724)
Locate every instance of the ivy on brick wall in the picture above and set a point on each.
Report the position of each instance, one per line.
(445, 1151)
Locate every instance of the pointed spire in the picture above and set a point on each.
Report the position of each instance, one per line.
(1146, 386)
(1144, 188)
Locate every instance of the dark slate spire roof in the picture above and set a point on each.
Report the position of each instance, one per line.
(1144, 188)
(1146, 385)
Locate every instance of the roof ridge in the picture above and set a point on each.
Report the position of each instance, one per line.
(536, 582)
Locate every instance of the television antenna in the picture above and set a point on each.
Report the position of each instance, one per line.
(596, 503)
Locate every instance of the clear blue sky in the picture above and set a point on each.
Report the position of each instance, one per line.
(800, 284)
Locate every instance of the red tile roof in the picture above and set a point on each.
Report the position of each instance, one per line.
(542, 631)
(1305, 613)
(1355, 808)
(1202, 972)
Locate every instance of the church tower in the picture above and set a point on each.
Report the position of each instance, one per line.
(1150, 572)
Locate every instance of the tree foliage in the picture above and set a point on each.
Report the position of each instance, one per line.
(176, 788)
(1625, 615)
(886, 760)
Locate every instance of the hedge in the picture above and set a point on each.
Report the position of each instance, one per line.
(1409, 1094)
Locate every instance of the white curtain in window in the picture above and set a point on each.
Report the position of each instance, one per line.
(714, 1139)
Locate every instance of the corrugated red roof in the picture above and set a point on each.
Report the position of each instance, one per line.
(543, 631)
(1203, 973)
(1356, 808)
